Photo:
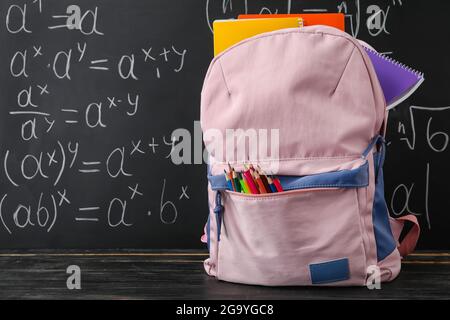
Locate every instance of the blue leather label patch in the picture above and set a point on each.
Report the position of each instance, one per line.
(329, 271)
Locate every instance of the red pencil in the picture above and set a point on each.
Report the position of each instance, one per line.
(277, 184)
(251, 184)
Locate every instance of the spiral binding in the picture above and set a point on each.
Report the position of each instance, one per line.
(395, 62)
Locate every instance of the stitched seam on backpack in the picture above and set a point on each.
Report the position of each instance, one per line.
(337, 185)
(277, 196)
(223, 77)
(355, 157)
(343, 72)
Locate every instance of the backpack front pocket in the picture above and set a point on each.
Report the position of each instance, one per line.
(298, 237)
(312, 233)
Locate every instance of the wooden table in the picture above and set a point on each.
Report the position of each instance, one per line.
(179, 274)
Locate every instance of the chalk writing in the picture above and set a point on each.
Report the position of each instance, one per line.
(436, 140)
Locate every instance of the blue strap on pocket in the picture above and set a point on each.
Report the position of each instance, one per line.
(218, 212)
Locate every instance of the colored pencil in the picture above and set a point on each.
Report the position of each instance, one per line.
(251, 184)
(230, 186)
(259, 182)
(271, 185)
(244, 186)
(263, 176)
(233, 182)
(236, 181)
(277, 184)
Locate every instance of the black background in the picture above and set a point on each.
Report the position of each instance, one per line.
(415, 32)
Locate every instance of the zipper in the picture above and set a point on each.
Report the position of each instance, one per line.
(279, 194)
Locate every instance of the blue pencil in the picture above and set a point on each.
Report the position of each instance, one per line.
(230, 185)
(271, 185)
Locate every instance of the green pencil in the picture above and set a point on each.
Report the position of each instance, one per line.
(237, 183)
(244, 188)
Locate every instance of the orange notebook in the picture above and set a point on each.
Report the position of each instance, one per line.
(336, 20)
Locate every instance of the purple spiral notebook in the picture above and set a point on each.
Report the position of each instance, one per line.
(397, 80)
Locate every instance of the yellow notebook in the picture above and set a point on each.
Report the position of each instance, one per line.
(230, 32)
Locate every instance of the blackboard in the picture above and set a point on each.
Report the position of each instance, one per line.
(92, 93)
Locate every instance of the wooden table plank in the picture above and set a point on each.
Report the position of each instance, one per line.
(179, 274)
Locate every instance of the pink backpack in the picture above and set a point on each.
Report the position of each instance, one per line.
(330, 225)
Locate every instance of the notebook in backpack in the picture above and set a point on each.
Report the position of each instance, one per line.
(330, 226)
